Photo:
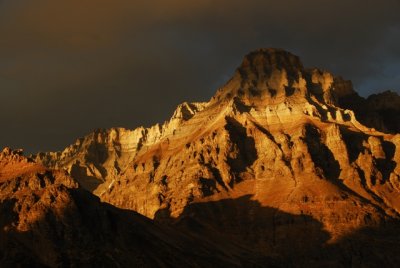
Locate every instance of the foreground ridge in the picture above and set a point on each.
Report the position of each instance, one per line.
(47, 220)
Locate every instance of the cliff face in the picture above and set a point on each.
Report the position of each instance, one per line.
(278, 149)
(101, 156)
(47, 220)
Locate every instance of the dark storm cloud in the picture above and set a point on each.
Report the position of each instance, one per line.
(67, 67)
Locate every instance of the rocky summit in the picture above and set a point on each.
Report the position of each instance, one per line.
(284, 166)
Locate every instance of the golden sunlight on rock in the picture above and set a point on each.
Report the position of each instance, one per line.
(280, 168)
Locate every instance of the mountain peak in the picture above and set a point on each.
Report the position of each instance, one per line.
(270, 76)
(275, 160)
(265, 60)
(266, 76)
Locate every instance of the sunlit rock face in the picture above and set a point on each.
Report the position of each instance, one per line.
(48, 220)
(277, 136)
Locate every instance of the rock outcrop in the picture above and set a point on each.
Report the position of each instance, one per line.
(280, 152)
(380, 111)
(47, 220)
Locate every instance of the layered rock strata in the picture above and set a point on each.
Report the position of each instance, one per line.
(276, 136)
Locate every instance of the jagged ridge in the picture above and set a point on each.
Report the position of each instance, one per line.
(277, 132)
(47, 220)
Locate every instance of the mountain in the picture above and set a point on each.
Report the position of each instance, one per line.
(283, 161)
(380, 111)
(47, 220)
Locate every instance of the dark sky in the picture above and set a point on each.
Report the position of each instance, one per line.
(70, 66)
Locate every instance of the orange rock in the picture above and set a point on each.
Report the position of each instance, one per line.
(284, 141)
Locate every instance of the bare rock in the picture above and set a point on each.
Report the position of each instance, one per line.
(282, 160)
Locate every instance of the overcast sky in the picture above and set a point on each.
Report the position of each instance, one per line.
(70, 66)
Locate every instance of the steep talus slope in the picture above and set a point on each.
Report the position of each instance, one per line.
(279, 148)
(47, 220)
